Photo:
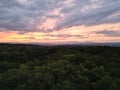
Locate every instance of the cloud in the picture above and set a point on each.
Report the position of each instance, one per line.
(21, 16)
(65, 36)
(111, 33)
(7, 3)
(29, 15)
(91, 13)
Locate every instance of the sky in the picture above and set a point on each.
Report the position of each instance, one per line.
(59, 21)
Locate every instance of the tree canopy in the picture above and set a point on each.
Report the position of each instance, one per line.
(34, 67)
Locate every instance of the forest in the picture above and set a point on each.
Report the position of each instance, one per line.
(67, 67)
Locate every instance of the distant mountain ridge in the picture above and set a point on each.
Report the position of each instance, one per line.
(112, 44)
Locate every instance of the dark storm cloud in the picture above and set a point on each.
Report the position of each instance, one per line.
(111, 33)
(25, 15)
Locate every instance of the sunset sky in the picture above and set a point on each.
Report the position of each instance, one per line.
(59, 21)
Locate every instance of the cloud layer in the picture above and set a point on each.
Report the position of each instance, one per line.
(30, 15)
(111, 33)
(60, 19)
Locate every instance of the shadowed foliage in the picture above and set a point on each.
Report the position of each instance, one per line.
(33, 67)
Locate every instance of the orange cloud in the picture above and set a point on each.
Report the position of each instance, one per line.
(78, 34)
